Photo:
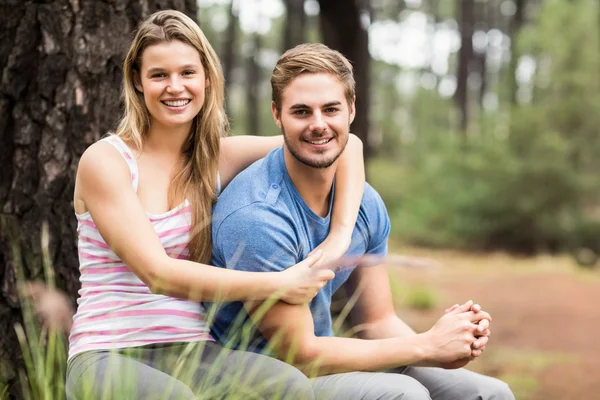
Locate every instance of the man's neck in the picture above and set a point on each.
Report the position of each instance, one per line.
(313, 184)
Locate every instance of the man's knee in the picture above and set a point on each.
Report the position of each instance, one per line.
(396, 387)
(491, 389)
(418, 392)
(499, 391)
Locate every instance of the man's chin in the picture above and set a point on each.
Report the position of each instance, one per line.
(318, 162)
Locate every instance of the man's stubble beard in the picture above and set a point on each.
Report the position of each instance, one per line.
(309, 162)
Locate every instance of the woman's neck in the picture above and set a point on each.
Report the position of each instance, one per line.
(167, 139)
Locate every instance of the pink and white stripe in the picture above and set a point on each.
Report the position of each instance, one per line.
(115, 308)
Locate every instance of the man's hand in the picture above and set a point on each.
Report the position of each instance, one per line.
(456, 335)
(482, 333)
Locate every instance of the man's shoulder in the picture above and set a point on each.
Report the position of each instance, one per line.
(251, 191)
(373, 222)
(372, 203)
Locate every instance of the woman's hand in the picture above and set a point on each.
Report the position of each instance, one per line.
(302, 281)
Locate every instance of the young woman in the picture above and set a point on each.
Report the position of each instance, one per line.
(143, 200)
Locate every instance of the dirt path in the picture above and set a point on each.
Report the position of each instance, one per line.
(546, 328)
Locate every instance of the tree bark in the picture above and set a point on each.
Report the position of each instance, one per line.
(483, 21)
(59, 93)
(229, 51)
(344, 31)
(253, 82)
(466, 22)
(515, 26)
(295, 24)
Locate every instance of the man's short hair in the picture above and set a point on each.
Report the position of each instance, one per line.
(311, 58)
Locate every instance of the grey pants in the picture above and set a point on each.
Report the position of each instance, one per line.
(203, 370)
(411, 383)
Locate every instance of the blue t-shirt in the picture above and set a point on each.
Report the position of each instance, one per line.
(261, 223)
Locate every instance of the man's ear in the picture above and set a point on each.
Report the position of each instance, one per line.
(137, 82)
(352, 109)
(276, 115)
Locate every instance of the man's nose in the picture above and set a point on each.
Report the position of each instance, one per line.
(318, 123)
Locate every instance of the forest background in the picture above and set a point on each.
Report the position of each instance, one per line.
(479, 121)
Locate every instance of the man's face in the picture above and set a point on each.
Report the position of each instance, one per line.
(315, 119)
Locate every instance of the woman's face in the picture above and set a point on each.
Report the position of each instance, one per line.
(173, 83)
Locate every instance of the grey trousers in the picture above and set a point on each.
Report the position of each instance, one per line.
(203, 370)
(411, 383)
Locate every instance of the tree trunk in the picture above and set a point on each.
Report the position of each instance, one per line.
(60, 92)
(295, 24)
(229, 51)
(253, 81)
(465, 56)
(515, 26)
(343, 30)
(483, 22)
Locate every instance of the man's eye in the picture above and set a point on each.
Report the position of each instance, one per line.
(300, 112)
(331, 110)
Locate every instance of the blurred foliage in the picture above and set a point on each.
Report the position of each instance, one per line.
(525, 179)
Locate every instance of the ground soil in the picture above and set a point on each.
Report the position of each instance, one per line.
(546, 317)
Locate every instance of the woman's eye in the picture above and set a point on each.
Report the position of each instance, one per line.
(158, 75)
(189, 72)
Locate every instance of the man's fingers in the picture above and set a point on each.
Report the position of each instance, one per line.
(482, 326)
(463, 308)
(447, 310)
(476, 317)
(480, 342)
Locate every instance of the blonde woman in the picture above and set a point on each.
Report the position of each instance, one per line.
(143, 200)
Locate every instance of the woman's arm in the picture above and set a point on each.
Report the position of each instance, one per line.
(349, 188)
(238, 152)
(105, 186)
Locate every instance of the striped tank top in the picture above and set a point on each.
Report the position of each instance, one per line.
(115, 309)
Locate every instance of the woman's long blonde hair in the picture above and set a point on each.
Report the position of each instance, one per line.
(197, 179)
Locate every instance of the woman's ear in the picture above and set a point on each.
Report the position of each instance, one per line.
(137, 82)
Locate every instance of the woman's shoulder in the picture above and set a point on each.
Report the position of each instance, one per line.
(101, 156)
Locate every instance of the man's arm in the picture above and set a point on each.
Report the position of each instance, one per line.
(374, 316)
(291, 331)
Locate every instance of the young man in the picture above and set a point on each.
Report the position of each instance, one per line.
(278, 210)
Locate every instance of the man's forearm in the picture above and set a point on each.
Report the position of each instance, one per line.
(392, 327)
(329, 355)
